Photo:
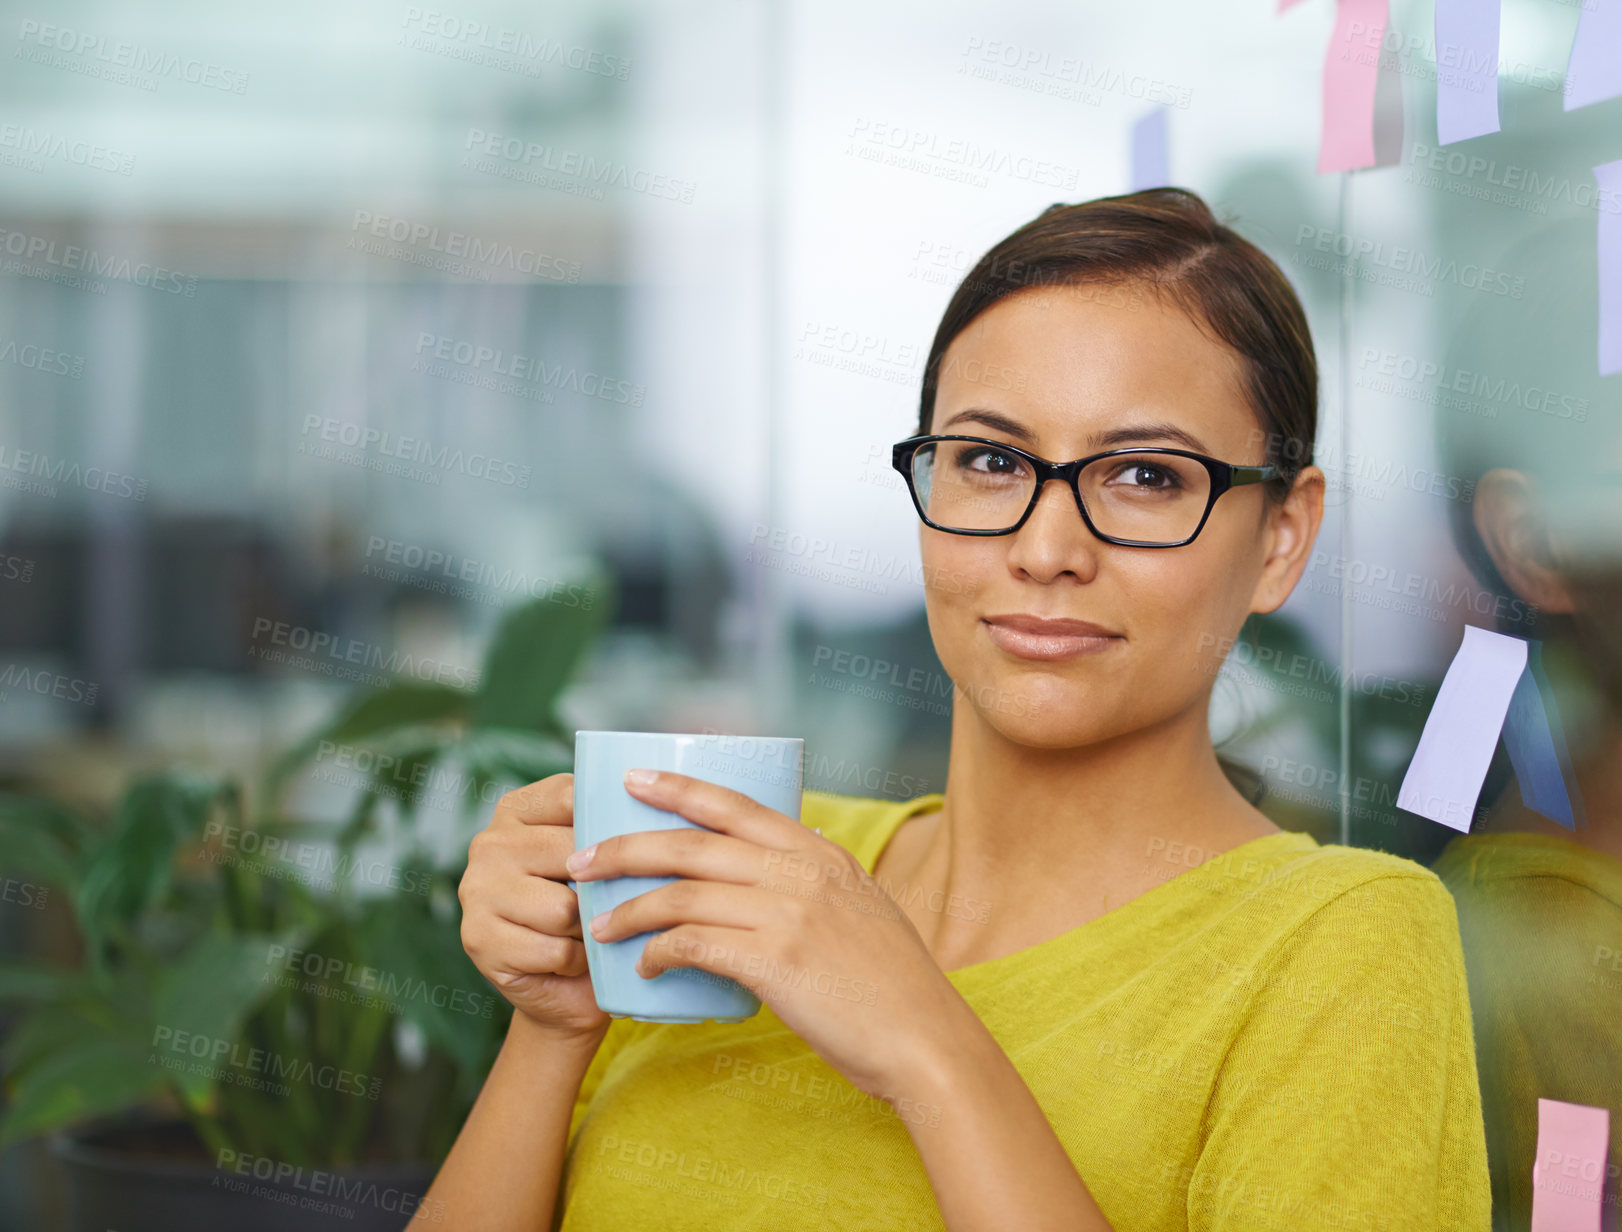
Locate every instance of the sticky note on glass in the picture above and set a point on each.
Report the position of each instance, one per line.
(1151, 165)
(1537, 748)
(1351, 76)
(1466, 69)
(1594, 72)
(1444, 779)
(1609, 178)
(1495, 685)
(1568, 1179)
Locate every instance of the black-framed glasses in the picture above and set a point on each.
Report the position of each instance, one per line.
(1139, 498)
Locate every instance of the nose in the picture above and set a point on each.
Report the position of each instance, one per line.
(1055, 538)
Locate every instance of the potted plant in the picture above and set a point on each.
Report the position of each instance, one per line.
(273, 1024)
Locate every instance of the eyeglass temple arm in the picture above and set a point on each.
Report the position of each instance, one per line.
(1251, 474)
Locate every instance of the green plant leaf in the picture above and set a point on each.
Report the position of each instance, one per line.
(211, 990)
(504, 755)
(402, 758)
(514, 753)
(424, 971)
(537, 648)
(25, 982)
(219, 981)
(43, 840)
(134, 867)
(92, 1078)
(403, 704)
(84, 1016)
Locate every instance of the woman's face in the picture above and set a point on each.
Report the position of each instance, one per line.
(1063, 373)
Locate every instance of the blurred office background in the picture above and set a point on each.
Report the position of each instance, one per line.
(317, 335)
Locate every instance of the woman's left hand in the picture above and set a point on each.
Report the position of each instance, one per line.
(791, 916)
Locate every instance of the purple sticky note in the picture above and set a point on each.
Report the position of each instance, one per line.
(1609, 178)
(1568, 1179)
(1151, 166)
(1466, 69)
(1351, 73)
(1594, 72)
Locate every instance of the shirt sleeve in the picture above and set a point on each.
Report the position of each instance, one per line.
(1348, 1098)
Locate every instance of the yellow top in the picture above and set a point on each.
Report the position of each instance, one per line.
(1541, 919)
(1278, 1038)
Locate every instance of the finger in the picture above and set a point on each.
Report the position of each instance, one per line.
(539, 850)
(545, 802)
(506, 951)
(718, 808)
(537, 903)
(706, 947)
(700, 854)
(693, 902)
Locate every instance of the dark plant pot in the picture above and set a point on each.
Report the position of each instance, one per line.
(155, 1177)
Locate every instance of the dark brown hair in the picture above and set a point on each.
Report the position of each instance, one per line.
(1165, 239)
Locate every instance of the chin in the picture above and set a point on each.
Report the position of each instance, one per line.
(1072, 730)
(1041, 710)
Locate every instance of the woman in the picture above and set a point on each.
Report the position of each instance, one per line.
(1540, 900)
(1171, 1014)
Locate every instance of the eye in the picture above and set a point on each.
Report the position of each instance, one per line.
(997, 461)
(1147, 476)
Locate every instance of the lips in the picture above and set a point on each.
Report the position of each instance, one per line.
(1037, 637)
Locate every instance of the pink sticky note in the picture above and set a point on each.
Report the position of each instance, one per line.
(1568, 1179)
(1287, 4)
(1351, 73)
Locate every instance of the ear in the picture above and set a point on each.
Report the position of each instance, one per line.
(1510, 522)
(1291, 529)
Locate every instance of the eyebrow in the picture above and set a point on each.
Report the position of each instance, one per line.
(1126, 434)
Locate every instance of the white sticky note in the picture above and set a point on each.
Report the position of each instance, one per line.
(1444, 778)
(1594, 71)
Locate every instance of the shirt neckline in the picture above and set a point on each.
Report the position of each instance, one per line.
(932, 802)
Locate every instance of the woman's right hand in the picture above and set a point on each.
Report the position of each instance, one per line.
(520, 919)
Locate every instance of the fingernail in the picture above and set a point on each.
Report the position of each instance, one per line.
(580, 859)
(641, 778)
(599, 920)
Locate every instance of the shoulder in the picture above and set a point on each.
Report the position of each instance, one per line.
(1306, 875)
(1370, 937)
(1518, 865)
(1348, 903)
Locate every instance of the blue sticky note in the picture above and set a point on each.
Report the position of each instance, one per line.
(1151, 162)
(1537, 749)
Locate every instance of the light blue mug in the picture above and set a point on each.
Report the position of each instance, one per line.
(767, 769)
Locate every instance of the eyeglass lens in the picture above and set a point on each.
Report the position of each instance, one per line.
(1146, 494)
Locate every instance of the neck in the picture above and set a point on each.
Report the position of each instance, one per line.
(1093, 823)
